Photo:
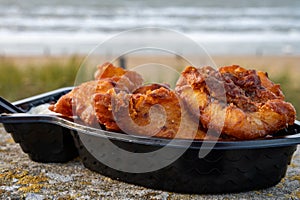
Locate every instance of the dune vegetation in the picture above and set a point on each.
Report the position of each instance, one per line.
(20, 82)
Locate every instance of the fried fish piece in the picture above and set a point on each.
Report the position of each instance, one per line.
(155, 110)
(125, 79)
(108, 70)
(90, 101)
(241, 103)
(63, 105)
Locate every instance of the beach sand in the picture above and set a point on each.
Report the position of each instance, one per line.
(274, 65)
(271, 63)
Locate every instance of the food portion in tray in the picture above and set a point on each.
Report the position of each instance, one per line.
(234, 102)
(251, 105)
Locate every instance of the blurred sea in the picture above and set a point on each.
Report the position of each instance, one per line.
(270, 27)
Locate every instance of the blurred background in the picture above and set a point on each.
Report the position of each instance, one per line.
(43, 43)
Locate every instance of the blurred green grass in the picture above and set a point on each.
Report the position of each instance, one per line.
(290, 88)
(20, 82)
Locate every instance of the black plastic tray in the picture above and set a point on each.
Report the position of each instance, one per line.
(40, 136)
(231, 166)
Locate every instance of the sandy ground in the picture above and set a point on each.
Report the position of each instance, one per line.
(21, 178)
(249, 61)
(274, 65)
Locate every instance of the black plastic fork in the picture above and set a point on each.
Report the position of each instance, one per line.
(7, 107)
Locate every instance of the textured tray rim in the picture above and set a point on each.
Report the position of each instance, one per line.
(177, 143)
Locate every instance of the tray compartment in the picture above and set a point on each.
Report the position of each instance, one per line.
(42, 140)
(221, 171)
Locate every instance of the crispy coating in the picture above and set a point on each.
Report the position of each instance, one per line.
(155, 110)
(108, 70)
(83, 101)
(126, 80)
(241, 103)
(80, 101)
(102, 104)
(63, 105)
(269, 85)
(91, 101)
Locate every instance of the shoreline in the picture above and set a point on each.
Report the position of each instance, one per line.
(273, 64)
(220, 59)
